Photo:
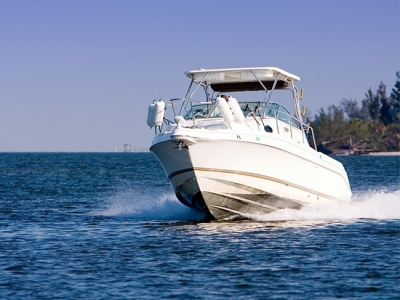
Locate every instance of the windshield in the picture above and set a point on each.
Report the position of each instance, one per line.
(210, 110)
(275, 110)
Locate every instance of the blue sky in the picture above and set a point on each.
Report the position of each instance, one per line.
(79, 75)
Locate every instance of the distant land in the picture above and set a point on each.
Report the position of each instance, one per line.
(367, 128)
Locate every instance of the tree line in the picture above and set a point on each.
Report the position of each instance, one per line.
(350, 127)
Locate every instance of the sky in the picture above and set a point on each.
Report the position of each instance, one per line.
(79, 75)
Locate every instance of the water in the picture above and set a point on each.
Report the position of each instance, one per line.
(101, 226)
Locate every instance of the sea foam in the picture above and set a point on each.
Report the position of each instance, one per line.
(370, 205)
(148, 207)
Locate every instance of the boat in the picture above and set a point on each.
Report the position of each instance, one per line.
(231, 151)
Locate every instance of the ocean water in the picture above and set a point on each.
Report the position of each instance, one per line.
(107, 226)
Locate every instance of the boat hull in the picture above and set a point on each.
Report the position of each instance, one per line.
(235, 179)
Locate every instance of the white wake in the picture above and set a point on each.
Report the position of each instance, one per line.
(372, 205)
(164, 207)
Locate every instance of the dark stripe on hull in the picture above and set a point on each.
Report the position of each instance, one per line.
(173, 174)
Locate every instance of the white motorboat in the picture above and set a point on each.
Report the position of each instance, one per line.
(231, 157)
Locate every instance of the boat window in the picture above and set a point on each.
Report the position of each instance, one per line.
(273, 109)
(202, 111)
(248, 107)
(215, 112)
(283, 114)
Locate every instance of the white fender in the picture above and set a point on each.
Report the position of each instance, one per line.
(155, 113)
(225, 110)
(151, 112)
(159, 115)
(236, 110)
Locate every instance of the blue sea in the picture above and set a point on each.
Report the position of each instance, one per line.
(108, 226)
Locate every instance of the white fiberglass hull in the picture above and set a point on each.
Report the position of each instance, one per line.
(228, 178)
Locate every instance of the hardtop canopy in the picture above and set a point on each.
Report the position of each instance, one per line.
(242, 79)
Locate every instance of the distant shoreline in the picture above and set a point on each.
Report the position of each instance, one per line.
(397, 153)
(383, 153)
